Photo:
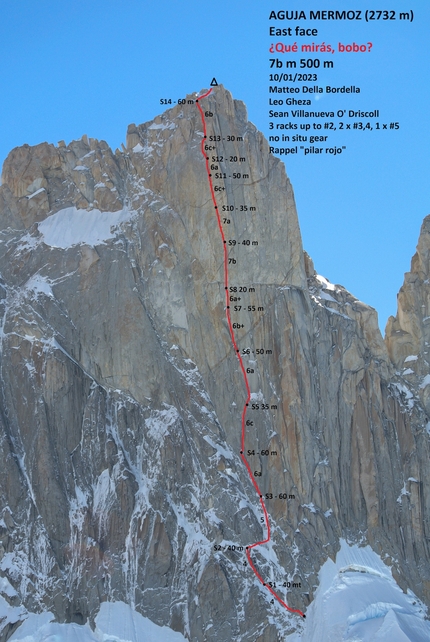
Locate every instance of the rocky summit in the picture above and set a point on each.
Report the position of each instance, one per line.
(121, 395)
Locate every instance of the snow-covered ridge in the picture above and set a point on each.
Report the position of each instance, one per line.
(358, 600)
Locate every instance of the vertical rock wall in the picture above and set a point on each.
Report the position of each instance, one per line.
(121, 396)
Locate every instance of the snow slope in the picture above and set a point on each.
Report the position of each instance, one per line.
(116, 622)
(359, 601)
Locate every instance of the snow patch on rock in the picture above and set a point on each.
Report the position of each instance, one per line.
(70, 226)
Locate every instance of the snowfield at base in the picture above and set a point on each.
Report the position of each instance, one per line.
(359, 601)
(116, 622)
(71, 226)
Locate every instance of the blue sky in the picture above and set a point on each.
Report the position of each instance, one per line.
(73, 68)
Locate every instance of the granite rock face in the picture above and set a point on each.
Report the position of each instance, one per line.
(408, 333)
(121, 394)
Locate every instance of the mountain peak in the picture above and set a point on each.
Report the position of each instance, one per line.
(124, 401)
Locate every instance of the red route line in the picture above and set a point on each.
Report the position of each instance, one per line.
(242, 367)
